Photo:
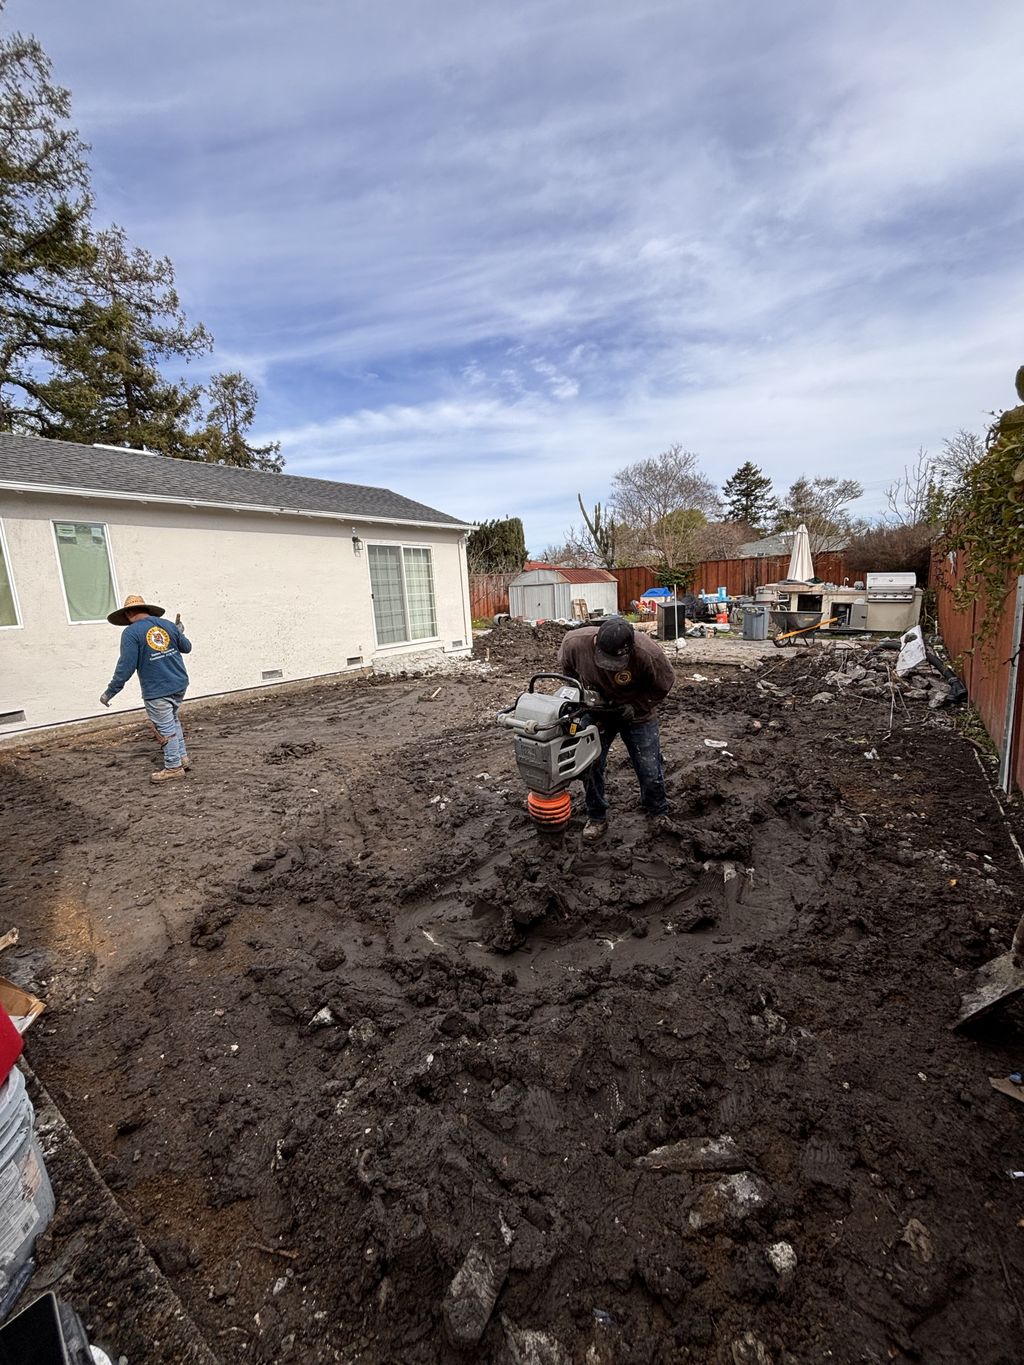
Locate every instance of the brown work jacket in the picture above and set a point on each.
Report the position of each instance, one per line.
(645, 682)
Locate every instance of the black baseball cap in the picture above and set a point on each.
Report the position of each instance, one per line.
(613, 644)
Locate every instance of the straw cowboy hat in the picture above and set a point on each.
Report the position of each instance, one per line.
(133, 603)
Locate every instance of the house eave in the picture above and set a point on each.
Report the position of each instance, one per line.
(106, 495)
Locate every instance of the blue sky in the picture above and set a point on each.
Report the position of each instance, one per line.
(486, 254)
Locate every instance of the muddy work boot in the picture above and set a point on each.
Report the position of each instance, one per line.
(186, 763)
(594, 830)
(167, 775)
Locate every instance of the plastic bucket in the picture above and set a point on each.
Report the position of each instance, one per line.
(26, 1196)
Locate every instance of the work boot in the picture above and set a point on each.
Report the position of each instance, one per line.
(167, 774)
(595, 829)
(186, 763)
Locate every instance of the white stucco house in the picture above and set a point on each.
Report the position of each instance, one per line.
(276, 577)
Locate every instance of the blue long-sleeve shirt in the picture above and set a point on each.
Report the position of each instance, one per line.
(152, 648)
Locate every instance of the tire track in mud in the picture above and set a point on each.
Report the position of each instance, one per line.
(459, 1100)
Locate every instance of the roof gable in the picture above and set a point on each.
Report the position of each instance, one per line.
(34, 462)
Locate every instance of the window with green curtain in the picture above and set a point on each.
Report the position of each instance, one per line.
(388, 597)
(8, 613)
(419, 586)
(402, 584)
(85, 569)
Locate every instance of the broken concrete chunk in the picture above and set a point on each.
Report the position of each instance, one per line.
(749, 1350)
(472, 1294)
(695, 1154)
(822, 698)
(782, 1258)
(527, 1346)
(731, 1200)
(322, 1019)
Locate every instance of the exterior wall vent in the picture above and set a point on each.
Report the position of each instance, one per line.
(11, 717)
(456, 644)
(355, 661)
(269, 674)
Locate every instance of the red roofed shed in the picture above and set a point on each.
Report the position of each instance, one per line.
(545, 592)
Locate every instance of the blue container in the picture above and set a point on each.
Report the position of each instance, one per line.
(723, 594)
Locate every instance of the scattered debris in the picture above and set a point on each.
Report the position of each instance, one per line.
(1006, 1085)
(696, 1154)
(918, 1239)
(783, 1258)
(472, 1294)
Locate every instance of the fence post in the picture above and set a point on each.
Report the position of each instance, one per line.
(1006, 763)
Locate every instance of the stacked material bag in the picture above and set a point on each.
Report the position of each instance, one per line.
(26, 1196)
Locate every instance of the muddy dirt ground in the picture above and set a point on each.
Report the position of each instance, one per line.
(381, 1077)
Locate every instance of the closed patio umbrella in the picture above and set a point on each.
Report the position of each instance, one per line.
(801, 566)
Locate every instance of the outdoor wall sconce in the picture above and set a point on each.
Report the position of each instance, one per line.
(357, 544)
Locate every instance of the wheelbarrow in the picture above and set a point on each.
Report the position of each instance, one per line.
(793, 626)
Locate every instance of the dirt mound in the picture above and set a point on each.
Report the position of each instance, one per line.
(520, 647)
(403, 1082)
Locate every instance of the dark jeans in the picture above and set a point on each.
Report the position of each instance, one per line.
(643, 744)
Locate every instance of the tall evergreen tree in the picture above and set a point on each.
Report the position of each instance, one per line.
(107, 384)
(749, 497)
(496, 546)
(231, 412)
(44, 216)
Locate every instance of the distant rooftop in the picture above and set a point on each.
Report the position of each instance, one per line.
(28, 462)
(782, 544)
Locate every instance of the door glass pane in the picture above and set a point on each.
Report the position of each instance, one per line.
(8, 616)
(419, 584)
(85, 566)
(386, 586)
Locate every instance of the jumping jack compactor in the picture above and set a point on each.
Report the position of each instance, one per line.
(556, 741)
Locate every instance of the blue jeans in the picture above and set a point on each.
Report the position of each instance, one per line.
(643, 745)
(163, 712)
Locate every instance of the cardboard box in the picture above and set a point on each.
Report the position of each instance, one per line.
(23, 1008)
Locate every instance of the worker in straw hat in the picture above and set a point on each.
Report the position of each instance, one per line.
(153, 649)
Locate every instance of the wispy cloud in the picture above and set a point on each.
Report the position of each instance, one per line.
(488, 254)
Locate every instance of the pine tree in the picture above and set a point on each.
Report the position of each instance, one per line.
(107, 384)
(749, 497)
(45, 204)
(231, 412)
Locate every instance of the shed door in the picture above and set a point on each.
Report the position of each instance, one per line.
(539, 601)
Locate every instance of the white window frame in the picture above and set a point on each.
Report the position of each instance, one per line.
(402, 545)
(87, 521)
(19, 621)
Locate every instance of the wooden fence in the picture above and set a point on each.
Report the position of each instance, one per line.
(488, 592)
(989, 672)
(739, 577)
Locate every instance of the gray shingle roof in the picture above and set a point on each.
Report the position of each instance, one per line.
(66, 464)
(782, 545)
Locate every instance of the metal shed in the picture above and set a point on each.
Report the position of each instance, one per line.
(545, 592)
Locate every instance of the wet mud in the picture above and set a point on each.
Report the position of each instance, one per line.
(383, 1075)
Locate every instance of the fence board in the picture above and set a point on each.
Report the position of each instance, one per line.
(985, 671)
(740, 577)
(488, 593)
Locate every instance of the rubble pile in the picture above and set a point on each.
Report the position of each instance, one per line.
(864, 673)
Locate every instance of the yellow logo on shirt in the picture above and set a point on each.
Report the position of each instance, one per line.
(624, 678)
(157, 638)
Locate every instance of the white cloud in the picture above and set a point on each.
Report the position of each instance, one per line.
(488, 254)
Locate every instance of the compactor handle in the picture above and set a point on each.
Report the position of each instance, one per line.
(556, 677)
